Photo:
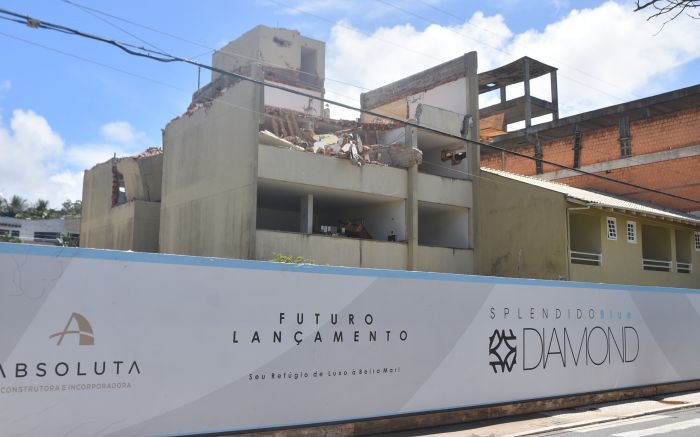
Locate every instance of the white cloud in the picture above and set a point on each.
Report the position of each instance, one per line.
(36, 163)
(119, 131)
(30, 150)
(605, 55)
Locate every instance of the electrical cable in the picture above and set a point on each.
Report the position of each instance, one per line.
(163, 57)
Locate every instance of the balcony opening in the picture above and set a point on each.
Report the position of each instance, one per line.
(443, 225)
(584, 240)
(656, 248)
(443, 155)
(288, 207)
(684, 260)
(356, 216)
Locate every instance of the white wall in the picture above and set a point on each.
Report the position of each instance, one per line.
(450, 96)
(284, 99)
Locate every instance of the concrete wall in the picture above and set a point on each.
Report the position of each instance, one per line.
(130, 226)
(210, 168)
(330, 172)
(450, 96)
(622, 260)
(142, 176)
(447, 191)
(274, 47)
(445, 260)
(336, 251)
(522, 229)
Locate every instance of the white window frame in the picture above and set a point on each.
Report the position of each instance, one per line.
(696, 236)
(611, 235)
(633, 226)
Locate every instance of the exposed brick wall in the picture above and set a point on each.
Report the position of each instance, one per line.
(681, 176)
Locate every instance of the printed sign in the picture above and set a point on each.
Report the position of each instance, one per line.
(102, 343)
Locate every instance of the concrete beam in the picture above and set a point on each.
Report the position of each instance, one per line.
(632, 161)
(419, 82)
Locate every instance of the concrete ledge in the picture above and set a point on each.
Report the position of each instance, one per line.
(452, 417)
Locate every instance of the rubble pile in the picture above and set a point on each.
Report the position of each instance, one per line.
(339, 138)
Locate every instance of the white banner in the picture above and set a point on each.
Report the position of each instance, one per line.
(103, 343)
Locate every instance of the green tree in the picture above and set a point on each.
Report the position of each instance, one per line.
(40, 209)
(17, 206)
(71, 209)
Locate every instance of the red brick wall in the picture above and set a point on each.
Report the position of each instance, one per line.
(681, 176)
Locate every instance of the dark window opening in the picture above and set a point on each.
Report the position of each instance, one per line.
(44, 236)
(309, 65)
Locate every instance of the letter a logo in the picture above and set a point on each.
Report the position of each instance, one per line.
(86, 337)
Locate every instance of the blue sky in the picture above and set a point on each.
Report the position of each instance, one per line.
(67, 103)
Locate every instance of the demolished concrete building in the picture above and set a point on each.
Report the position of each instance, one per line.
(249, 171)
(121, 203)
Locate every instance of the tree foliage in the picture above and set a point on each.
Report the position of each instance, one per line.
(19, 207)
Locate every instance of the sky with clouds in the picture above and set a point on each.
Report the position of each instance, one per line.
(68, 103)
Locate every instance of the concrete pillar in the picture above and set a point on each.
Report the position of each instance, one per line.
(555, 94)
(528, 100)
(412, 204)
(674, 259)
(306, 214)
(258, 105)
(470, 73)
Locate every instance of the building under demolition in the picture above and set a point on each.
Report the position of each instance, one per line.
(250, 172)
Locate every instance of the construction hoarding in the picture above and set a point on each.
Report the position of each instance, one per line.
(116, 343)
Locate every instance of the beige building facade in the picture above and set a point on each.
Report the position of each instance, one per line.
(541, 229)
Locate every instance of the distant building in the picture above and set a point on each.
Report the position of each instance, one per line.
(542, 229)
(40, 231)
(652, 142)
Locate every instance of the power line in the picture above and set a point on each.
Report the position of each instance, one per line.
(461, 19)
(195, 43)
(166, 58)
(420, 17)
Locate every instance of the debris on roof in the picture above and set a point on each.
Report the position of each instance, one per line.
(345, 139)
(151, 151)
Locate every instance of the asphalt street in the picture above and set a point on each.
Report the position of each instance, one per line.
(679, 423)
